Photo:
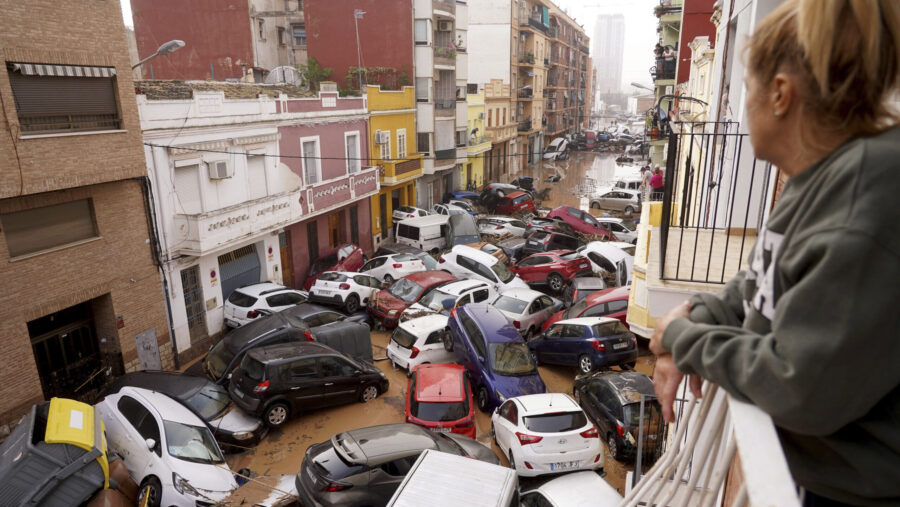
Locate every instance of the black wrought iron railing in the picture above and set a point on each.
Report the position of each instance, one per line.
(715, 198)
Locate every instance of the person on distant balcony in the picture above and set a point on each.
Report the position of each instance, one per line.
(656, 184)
(809, 332)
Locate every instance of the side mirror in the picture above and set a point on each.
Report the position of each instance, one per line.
(151, 444)
(357, 373)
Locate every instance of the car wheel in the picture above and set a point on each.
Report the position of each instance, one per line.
(352, 304)
(448, 343)
(494, 435)
(555, 281)
(595, 205)
(529, 335)
(613, 447)
(629, 365)
(276, 415)
(629, 210)
(482, 399)
(388, 279)
(150, 493)
(585, 364)
(369, 393)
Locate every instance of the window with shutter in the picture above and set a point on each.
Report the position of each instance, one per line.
(39, 229)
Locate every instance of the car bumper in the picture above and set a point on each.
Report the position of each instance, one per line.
(328, 300)
(247, 403)
(398, 360)
(378, 313)
(229, 440)
(541, 464)
(300, 482)
(614, 358)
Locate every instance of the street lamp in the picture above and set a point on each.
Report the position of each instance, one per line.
(167, 48)
(642, 87)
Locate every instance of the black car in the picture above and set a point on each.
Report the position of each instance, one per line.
(580, 287)
(493, 192)
(314, 315)
(396, 248)
(525, 183)
(231, 426)
(278, 381)
(612, 400)
(351, 338)
(543, 241)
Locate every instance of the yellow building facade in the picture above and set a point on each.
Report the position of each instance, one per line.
(472, 174)
(392, 147)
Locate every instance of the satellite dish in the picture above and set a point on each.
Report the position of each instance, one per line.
(285, 74)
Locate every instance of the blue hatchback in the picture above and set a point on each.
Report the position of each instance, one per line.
(494, 354)
(586, 342)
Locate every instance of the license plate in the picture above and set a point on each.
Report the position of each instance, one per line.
(565, 465)
(618, 346)
(533, 243)
(441, 430)
(324, 292)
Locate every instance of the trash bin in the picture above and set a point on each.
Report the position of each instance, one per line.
(56, 456)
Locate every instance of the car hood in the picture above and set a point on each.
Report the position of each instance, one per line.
(516, 283)
(213, 481)
(519, 386)
(474, 449)
(235, 420)
(387, 301)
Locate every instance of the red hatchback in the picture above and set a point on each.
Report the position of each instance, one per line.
(552, 268)
(347, 257)
(605, 303)
(440, 399)
(516, 201)
(581, 221)
(386, 305)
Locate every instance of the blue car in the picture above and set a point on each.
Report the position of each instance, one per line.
(586, 342)
(493, 353)
(464, 195)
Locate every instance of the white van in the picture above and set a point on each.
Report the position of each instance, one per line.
(439, 479)
(425, 233)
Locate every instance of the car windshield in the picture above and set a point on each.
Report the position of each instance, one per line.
(404, 258)
(576, 309)
(518, 223)
(502, 272)
(439, 411)
(510, 304)
(609, 328)
(403, 338)
(627, 225)
(323, 264)
(436, 300)
(332, 276)
(218, 358)
(405, 290)
(511, 358)
(556, 422)
(252, 368)
(651, 413)
(192, 443)
(406, 209)
(210, 401)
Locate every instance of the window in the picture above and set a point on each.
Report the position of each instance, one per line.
(385, 148)
(401, 143)
(461, 138)
(310, 160)
(351, 145)
(490, 117)
(141, 419)
(502, 119)
(618, 305)
(303, 369)
(335, 367)
(51, 103)
(423, 144)
(471, 88)
(40, 229)
(421, 89)
(261, 28)
(299, 34)
(256, 177)
(421, 32)
(282, 36)
(597, 310)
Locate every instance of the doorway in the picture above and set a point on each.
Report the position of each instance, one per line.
(193, 304)
(336, 228)
(382, 215)
(67, 353)
(238, 268)
(287, 264)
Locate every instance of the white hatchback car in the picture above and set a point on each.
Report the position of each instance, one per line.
(471, 263)
(462, 204)
(619, 228)
(502, 225)
(167, 449)
(453, 294)
(448, 209)
(351, 291)
(392, 267)
(419, 341)
(606, 257)
(579, 489)
(404, 212)
(545, 434)
(526, 309)
(259, 299)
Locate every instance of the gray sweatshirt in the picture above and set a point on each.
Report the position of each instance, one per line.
(810, 332)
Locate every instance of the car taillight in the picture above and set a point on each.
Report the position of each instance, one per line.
(441, 260)
(411, 216)
(332, 487)
(453, 313)
(516, 324)
(309, 336)
(415, 352)
(344, 286)
(252, 314)
(261, 387)
(620, 430)
(528, 466)
(467, 423)
(598, 345)
(398, 266)
(591, 433)
(526, 439)
(499, 227)
(598, 458)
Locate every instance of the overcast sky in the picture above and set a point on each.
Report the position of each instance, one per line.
(640, 31)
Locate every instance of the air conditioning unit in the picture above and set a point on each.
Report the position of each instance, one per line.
(445, 26)
(480, 116)
(220, 170)
(382, 137)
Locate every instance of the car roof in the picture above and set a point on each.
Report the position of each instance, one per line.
(544, 403)
(492, 321)
(425, 324)
(606, 295)
(166, 408)
(629, 385)
(482, 257)
(426, 220)
(237, 338)
(501, 218)
(515, 195)
(259, 289)
(429, 278)
(376, 444)
(459, 286)
(614, 253)
(439, 383)
(522, 294)
(609, 220)
(177, 385)
(283, 351)
(588, 282)
(587, 321)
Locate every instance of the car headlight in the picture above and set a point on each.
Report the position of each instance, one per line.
(500, 395)
(243, 435)
(393, 312)
(182, 486)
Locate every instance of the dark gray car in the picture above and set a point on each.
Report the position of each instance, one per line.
(462, 230)
(365, 466)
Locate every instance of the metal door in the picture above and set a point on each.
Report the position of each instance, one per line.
(193, 305)
(148, 349)
(238, 268)
(67, 354)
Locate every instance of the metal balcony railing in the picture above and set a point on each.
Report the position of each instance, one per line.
(444, 103)
(665, 69)
(524, 126)
(445, 154)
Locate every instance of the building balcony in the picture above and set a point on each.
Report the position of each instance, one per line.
(329, 194)
(445, 56)
(664, 69)
(448, 154)
(526, 60)
(445, 107)
(524, 126)
(399, 171)
(535, 23)
(479, 144)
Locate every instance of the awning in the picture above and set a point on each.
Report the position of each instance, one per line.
(41, 69)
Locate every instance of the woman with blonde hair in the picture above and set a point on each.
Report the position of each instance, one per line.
(809, 331)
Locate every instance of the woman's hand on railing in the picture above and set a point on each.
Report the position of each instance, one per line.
(666, 376)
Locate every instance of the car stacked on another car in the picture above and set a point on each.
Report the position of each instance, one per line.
(404, 212)
(548, 225)
(386, 305)
(250, 302)
(449, 209)
(586, 342)
(608, 259)
(492, 249)
(545, 241)
(581, 287)
(467, 262)
(621, 230)
(553, 269)
(350, 291)
(500, 225)
(391, 267)
(581, 221)
(466, 205)
(516, 202)
(419, 341)
(439, 398)
(611, 302)
(347, 257)
(526, 309)
(449, 296)
(397, 248)
(278, 381)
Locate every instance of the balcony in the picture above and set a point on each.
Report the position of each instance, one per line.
(526, 60)
(665, 69)
(524, 126)
(535, 23)
(444, 107)
(330, 193)
(479, 144)
(399, 171)
(448, 154)
(445, 56)
(525, 92)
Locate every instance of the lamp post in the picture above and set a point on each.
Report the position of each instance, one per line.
(642, 87)
(167, 48)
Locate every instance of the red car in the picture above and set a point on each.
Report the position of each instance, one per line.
(386, 305)
(516, 201)
(347, 257)
(581, 221)
(553, 268)
(440, 399)
(605, 303)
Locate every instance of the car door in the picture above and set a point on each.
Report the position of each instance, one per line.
(597, 310)
(339, 382)
(546, 309)
(139, 425)
(302, 383)
(532, 317)
(617, 309)
(528, 271)
(606, 403)
(475, 350)
(365, 286)
(609, 201)
(374, 267)
(507, 424)
(571, 343)
(547, 348)
(385, 478)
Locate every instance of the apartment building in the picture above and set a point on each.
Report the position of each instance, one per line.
(502, 129)
(82, 294)
(480, 145)
(567, 99)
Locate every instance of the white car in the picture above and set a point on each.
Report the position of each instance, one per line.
(453, 294)
(448, 209)
(471, 263)
(621, 230)
(462, 204)
(556, 150)
(404, 212)
(502, 225)
(167, 449)
(260, 299)
(608, 258)
(628, 248)
(526, 309)
(545, 434)
(578, 489)
(345, 289)
(392, 267)
(419, 341)
(620, 199)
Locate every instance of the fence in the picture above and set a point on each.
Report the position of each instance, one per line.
(714, 201)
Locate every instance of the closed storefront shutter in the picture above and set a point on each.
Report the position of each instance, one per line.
(238, 268)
